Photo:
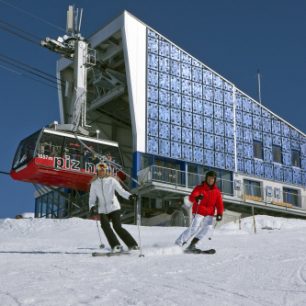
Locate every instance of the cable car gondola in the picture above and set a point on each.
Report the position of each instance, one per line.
(62, 159)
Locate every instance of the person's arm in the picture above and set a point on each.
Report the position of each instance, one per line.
(125, 194)
(219, 203)
(92, 196)
(195, 195)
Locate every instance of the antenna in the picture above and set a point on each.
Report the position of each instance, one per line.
(76, 15)
(70, 19)
(74, 20)
(259, 86)
(80, 20)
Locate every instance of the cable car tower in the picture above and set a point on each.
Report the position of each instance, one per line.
(64, 156)
(73, 46)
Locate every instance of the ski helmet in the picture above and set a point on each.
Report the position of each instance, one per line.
(211, 173)
(102, 166)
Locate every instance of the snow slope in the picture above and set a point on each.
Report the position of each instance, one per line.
(48, 262)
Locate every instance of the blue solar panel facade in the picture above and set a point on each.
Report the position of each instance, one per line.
(192, 114)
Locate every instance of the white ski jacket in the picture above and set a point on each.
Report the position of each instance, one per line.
(102, 192)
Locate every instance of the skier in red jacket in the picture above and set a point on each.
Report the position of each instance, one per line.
(205, 199)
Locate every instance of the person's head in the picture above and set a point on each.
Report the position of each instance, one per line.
(211, 177)
(109, 156)
(102, 169)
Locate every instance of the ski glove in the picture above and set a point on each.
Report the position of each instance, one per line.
(219, 217)
(199, 197)
(93, 210)
(133, 197)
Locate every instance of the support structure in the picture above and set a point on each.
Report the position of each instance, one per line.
(73, 46)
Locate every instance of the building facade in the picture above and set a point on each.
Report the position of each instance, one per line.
(174, 118)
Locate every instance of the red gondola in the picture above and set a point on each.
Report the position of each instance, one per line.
(56, 158)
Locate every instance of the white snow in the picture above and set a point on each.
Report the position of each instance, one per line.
(48, 262)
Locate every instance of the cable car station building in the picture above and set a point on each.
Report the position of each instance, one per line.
(174, 118)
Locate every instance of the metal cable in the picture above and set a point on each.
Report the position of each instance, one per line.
(32, 15)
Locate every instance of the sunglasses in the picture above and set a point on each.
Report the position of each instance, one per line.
(103, 167)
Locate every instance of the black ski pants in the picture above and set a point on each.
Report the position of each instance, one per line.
(109, 233)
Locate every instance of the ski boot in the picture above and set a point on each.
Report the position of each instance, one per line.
(117, 249)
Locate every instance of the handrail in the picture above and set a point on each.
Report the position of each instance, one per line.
(247, 192)
(173, 177)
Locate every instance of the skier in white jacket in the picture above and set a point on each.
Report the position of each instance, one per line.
(102, 193)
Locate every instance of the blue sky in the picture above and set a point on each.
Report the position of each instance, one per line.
(233, 37)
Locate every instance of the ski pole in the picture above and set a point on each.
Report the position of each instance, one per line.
(138, 227)
(213, 231)
(102, 246)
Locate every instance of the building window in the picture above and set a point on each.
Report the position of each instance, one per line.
(252, 190)
(277, 193)
(291, 196)
(277, 154)
(295, 158)
(257, 149)
(268, 191)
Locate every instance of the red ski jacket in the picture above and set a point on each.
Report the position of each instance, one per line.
(211, 201)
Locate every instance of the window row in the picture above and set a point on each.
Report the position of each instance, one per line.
(212, 122)
(197, 138)
(182, 86)
(271, 171)
(255, 189)
(248, 135)
(159, 66)
(190, 120)
(273, 154)
(261, 118)
(190, 153)
(266, 125)
(280, 131)
(221, 144)
(292, 158)
(245, 104)
(199, 106)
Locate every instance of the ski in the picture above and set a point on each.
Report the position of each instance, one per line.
(199, 251)
(210, 251)
(109, 254)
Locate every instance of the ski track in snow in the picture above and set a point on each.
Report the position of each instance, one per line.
(49, 262)
(301, 273)
(7, 298)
